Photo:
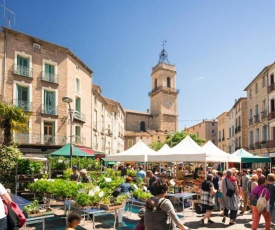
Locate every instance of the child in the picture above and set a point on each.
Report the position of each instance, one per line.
(140, 225)
(73, 220)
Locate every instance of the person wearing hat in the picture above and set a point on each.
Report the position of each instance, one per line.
(85, 177)
(75, 176)
(152, 179)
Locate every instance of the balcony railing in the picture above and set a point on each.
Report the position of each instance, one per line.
(263, 144)
(263, 114)
(250, 121)
(26, 138)
(270, 144)
(79, 116)
(25, 105)
(22, 71)
(256, 118)
(270, 88)
(49, 77)
(251, 147)
(49, 109)
(79, 140)
(258, 145)
(168, 89)
(271, 115)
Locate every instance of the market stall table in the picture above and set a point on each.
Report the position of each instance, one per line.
(181, 197)
(37, 219)
(98, 212)
(131, 202)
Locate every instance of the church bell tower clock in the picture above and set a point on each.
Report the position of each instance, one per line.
(164, 95)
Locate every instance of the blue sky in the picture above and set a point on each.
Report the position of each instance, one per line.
(218, 46)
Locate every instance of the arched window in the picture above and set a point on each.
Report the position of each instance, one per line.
(168, 82)
(142, 126)
(156, 84)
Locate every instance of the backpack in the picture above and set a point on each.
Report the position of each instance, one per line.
(157, 218)
(262, 203)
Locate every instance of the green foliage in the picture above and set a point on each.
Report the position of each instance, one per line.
(81, 162)
(29, 167)
(131, 173)
(140, 194)
(84, 199)
(67, 173)
(9, 156)
(12, 119)
(120, 199)
(58, 187)
(156, 145)
(32, 208)
(173, 140)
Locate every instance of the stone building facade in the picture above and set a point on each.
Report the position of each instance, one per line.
(36, 75)
(207, 129)
(223, 134)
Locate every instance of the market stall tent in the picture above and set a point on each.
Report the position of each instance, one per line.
(164, 149)
(247, 157)
(138, 152)
(187, 150)
(65, 152)
(214, 154)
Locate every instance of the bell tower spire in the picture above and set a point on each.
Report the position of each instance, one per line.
(164, 95)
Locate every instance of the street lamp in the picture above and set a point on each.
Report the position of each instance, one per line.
(69, 101)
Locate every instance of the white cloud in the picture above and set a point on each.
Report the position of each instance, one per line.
(200, 78)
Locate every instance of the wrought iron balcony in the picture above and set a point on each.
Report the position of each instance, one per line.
(263, 144)
(251, 147)
(271, 115)
(256, 118)
(163, 88)
(258, 145)
(79, 140)
(25, 105)
(49, 109)
(26, 138)
(79, 116)
(270, 144)
(22, 71)
(263, 114)
(49, 77)
(270, 88)
(250, 121)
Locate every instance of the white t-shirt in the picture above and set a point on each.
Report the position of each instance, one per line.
(2, 210)
(220, 185)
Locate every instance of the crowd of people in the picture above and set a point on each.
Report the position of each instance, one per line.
(227, 191)
(231, 190)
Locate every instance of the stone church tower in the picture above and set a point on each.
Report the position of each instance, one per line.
(162, 118)
(164, 95)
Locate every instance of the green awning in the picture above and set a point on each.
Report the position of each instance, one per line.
(109, 162)
(247, 157)
(65, 152)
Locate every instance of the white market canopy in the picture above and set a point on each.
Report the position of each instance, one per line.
(164, 149)
(138, 152)
(215, 154)
(187, 150)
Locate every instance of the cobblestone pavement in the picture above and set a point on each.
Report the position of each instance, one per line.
(191, 220)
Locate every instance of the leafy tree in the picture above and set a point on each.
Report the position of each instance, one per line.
(173, 140)
(12, 119)
(8, 160)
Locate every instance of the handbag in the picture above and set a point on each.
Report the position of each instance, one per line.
(262, 203)
(253, 200)
(229, 191)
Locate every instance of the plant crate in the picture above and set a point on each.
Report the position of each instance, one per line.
(110, 206)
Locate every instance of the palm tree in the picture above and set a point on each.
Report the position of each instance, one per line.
(12, 119)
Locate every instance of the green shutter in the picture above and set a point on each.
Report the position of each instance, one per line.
(77, 104)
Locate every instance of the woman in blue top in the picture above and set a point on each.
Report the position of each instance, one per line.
(126, 187)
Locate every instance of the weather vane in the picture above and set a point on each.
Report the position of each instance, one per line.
(163, 43)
